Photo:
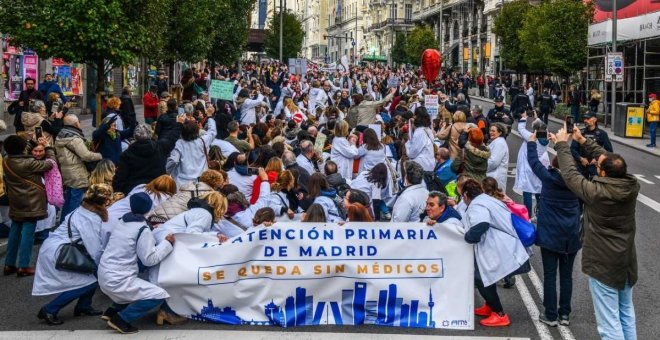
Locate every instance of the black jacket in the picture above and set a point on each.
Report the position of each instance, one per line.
(166, 124)
(127, 111)
(17, 110)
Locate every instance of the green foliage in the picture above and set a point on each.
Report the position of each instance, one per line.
(399, 55)
(232, 30)
(507, 26)
(292, 38)
(88, 31)
(419, 39)
(554, 36)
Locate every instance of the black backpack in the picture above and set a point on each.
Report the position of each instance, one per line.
(433, 183)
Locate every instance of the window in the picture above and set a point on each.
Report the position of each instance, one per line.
(393, 11)
(408, 14)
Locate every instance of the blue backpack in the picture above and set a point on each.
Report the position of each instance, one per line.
(526, 231)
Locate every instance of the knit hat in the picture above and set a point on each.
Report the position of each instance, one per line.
(653, 95)
(140, 203)
(142, 132)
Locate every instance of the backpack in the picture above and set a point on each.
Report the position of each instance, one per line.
(339, 204)
(433, 183)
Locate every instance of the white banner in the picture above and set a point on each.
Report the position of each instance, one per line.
(639, 27)
(295, 274)
(432, 105)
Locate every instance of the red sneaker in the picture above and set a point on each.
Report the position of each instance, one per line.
(483, 310)
(495, 320)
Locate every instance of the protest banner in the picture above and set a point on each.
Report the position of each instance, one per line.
(431, 104)
(296, 274)
(221, 90)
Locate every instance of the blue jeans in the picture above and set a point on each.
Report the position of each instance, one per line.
(615, 313)
(551, 261)
(21, 240)
(72, 199)
(137, 309)
(575, 111)
(654, 127)
(83, 294)
(529, 203)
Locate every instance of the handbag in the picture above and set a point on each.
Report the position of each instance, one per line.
(525, 230)
(210, 163)
(73, 256)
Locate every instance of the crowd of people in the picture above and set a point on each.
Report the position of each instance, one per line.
(338, 147)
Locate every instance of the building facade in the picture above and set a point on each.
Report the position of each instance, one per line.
(315, 23)
(387, 18)
(348, 26)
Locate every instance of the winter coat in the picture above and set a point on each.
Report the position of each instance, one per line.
(558, 218)
(143, 161)
(150, 102)
(474, 161)
(166, 124)
(420, 148)
(118, 270)
(410, 204)
(25, 96)
(498, 162)
(244, 218)
(53, 184)
(327, 200)
(343, 153)
(47, 87)
(178, 203)
(25, 188)
(370, 158)
(86, 227)
(609, 227)
(72, 153)
(110, 148)
(453, 133)
(526, 180)
(127, 110)
(50, 128)
(368, 110)
(188, 159)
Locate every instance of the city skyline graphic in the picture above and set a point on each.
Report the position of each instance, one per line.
(354, 309)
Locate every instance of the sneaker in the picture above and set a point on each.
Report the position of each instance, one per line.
(483, 310)
(545, 320)
(496, 320)
(121, 326)
(509, 282)
(650, 145)
(109, 313)
(564, 320)
(385, 216)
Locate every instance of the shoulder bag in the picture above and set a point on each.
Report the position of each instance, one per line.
(73, 256)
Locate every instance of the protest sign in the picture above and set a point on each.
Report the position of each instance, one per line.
(221, 90)
(319, 143)
(296, 274)
(431, 104)
(393, 82)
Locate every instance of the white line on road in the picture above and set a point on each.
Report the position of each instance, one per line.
(641, 178)
(657, 176)
(544, 332)
(565, 333)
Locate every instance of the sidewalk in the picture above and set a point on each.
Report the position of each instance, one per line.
(635, 143)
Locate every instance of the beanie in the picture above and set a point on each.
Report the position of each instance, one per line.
(140, 203)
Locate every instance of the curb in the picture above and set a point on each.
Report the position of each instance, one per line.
(612, 137)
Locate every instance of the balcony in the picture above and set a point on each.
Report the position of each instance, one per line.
(391, 23)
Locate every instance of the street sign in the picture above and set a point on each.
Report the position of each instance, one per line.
(614, 66)
(221, 89)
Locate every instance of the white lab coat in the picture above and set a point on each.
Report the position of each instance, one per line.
(305, 163)
(343, 153)
(410, 204)
(193, 221)
(123, 206)
(530, 95)
(499, 252)
(188, 159)
(47, 222)
(243, 183)
(420, 148)
(498, 162)
(370, 158)
(526, 180)
(244, 218)
(248, 113)
(118, 270)
(85, 226)
(316, 98)
(226, 147)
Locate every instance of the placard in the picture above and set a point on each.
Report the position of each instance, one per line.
(432, 106)
(221, 89)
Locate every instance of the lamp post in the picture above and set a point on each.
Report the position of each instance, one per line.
(614, 33)
(281, 29)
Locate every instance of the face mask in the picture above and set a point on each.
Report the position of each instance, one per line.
(543, 141)
(242, 170)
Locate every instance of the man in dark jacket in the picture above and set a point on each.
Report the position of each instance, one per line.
(23, 103)
(519, 104)
(127, 109)
(547, 105)
(608, 254)
(166, 123)
(590, 131)
(145, 159)
(50, 85)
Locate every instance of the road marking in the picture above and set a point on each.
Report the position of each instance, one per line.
(245, 335)
(657, 176)
(565, 333)
(641, 178)
(542, 329)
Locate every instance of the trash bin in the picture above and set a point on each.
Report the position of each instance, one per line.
(628, 120)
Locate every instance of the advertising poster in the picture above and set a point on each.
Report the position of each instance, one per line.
(31, 67)
(64, 79)
(76, 79)
(15, 76)
(304, 274)
(635, 122)
(625, 8)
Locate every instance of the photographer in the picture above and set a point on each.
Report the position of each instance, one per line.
(41, 123)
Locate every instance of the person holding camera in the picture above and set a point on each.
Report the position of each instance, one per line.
(23, 103)
(500, 114)
(41, 123)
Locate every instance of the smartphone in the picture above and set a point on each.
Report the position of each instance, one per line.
(55, 107)
(38, 132)
(569, 124)
(181, 110)
(542, 134)
(253, 171)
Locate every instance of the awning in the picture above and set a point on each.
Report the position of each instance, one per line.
(373, 57)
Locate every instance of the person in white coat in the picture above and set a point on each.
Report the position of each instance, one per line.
(526, 181)
(498, 162)
(498, 252)
(189, 158)
(343, 150)
(131, 244)
(371, 152)
(239, 210)
(419, 147)
(375, 184)
(247, 106)
(411, 203)
(82, 225)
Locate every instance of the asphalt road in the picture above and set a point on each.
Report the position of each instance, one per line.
(523, 303)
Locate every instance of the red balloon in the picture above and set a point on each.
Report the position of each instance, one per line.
(431, 61)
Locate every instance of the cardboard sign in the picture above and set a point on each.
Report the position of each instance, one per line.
(221, 90)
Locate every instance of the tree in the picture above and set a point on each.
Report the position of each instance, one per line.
(418, 40)
(507, 26)
(232, 31)
(292, 38)
(563, 53)
(86, 31)
(399, 55)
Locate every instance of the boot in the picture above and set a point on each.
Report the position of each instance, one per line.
(22, 272)
(170, 318)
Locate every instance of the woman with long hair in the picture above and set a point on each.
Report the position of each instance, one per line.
(315, 213)
(189, 158)
(104, 173)
(107, 139)
(82, 224)
(279, 198)
(273, 169)
(372, 151)
(358, 213)
(343, 150)
(420, 147)
(498, 162)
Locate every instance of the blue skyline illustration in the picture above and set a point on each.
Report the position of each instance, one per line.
(355, 309)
